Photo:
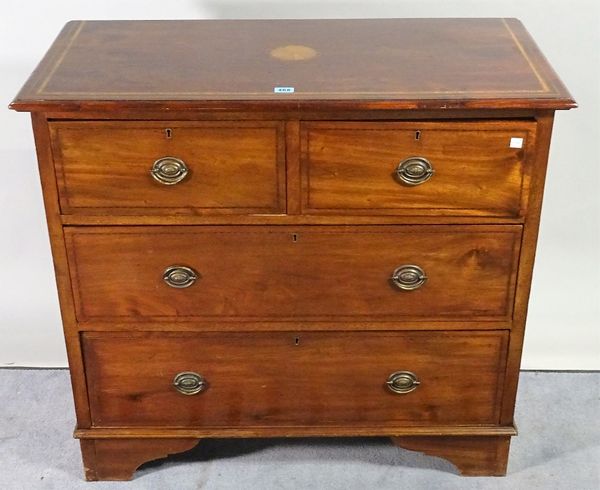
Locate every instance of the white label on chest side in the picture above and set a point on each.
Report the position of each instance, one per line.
(283, 90)
(516, 143)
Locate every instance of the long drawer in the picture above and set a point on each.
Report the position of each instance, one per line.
(284, 379)
(169, 167)
(180, 273)
(416, 168)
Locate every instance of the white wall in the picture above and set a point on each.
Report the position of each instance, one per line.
(564, 320)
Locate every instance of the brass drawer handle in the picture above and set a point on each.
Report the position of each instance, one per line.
(402, 382)
(169, 170)
(189, 383)
(408, 277)
(180, 276)
(414, 170)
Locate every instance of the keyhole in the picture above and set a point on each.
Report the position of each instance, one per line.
(297, 341)
(168, 133)
(417, 135)
(294, 237)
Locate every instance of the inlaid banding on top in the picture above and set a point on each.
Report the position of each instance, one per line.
(473, 63)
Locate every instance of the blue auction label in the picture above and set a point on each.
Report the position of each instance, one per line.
(283, 90)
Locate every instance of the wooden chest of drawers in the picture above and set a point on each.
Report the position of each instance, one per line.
(293, 228)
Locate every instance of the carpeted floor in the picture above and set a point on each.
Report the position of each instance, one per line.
(558, 415)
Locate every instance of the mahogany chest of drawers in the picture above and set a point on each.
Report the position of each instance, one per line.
(293, 228)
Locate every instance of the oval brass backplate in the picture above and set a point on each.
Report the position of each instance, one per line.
(179, 276)
(408, 277)
(414, 171)
(169, 170)
(189, 383)
(402, 382)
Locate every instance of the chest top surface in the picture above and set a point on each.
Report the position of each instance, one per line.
(389, 63)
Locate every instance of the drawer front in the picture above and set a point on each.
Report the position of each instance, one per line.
(295, 273)
(169, 167)
(309, 378)
(417, 168)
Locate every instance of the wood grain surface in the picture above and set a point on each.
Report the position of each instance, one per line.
(473, 456)
(350, 168)
(308, 378)
(117, 459)
(404, 64)
(300, 273)
(104, 167)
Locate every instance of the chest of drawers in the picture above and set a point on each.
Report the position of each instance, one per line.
(293, 228)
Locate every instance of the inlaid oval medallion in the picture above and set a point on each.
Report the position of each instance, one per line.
(293, 52)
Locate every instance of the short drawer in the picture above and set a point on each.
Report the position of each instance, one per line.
(169, 167)
(284, 379)
(182, 273)
(416, 168)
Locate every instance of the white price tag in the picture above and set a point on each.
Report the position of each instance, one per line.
(283, 90)
(516, 143)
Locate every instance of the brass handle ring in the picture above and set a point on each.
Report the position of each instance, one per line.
(189, 383)
(402, 382)
(169, 170)
(180, 276)
(414, 170)
(409, 277)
